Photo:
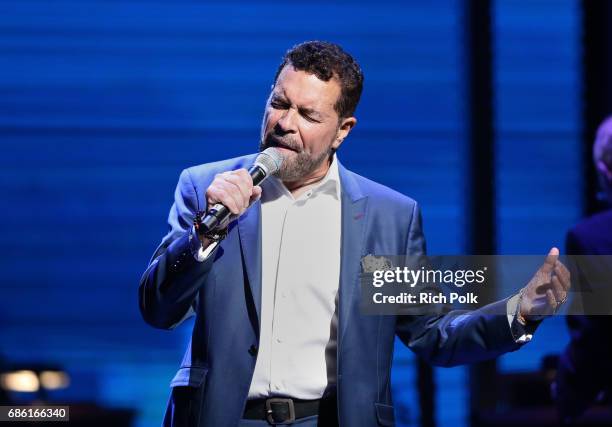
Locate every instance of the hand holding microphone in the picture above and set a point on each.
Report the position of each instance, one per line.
(231, 193)
(234, 190)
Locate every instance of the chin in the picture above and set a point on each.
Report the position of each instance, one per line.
(289, 173)
(286, 175)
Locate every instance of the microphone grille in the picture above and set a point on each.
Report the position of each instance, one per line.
(270, 159)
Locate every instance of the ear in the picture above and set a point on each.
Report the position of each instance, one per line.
(343, 130)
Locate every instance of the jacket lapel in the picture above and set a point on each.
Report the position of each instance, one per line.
(249, 229)
(354, 220)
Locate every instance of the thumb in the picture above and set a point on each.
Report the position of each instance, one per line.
(255, 194)
(551, 259)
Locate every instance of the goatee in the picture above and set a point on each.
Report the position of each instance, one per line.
(298, 165)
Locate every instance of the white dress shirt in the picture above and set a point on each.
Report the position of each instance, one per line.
(300, 280)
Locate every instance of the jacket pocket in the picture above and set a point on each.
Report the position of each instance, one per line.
(186, 397)
(384, 414)
(189, 376)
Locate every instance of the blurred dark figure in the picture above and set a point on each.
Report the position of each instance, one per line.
(4, 397)
(585, 368)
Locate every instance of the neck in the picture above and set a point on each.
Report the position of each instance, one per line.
(300, 186)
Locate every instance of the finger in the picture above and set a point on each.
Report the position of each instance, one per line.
(229, 195)
(244, 186)
(550, 299)
(549, 262)
(564, 275)
(232, 192)
(244, 179)
(243, 174)
(227, 183)
(255, 195)
(217, 194)
(558, 290)
(212, 192)
(563, 280)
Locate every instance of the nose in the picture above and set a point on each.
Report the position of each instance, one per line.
(288, 121)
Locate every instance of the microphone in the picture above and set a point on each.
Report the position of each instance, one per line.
(267, 163)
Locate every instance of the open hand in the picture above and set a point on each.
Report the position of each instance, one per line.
(547, 290)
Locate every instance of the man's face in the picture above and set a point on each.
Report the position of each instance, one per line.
(301, 122)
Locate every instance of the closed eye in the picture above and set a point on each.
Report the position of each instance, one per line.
(279, 105)
(308, 114)
(309, 117)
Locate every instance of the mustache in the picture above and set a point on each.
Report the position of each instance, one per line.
(275, 141)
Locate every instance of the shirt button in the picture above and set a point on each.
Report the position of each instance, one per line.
(278, 340)
(284, 294)
(276, 387)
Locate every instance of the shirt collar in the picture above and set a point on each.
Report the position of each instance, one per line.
(330, 182)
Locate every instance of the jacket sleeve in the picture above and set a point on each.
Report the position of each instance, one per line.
(171, 282)
(449, 338)
(584, 369)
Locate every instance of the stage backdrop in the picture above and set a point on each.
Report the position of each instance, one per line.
(103, 103)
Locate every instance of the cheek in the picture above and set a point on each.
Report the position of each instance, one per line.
(272, 116)
(316, 139)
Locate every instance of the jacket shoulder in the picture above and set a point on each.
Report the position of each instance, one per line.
(588, 235)
(381, 193)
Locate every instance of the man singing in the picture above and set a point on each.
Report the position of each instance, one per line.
(278, 337)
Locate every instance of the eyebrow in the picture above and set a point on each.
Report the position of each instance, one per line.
(303, 110)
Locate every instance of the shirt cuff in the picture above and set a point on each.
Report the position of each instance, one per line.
(199, 253)
(519, 331)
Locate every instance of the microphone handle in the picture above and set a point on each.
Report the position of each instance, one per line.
(219, 213)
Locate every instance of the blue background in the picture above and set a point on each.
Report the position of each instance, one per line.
(103, 103)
